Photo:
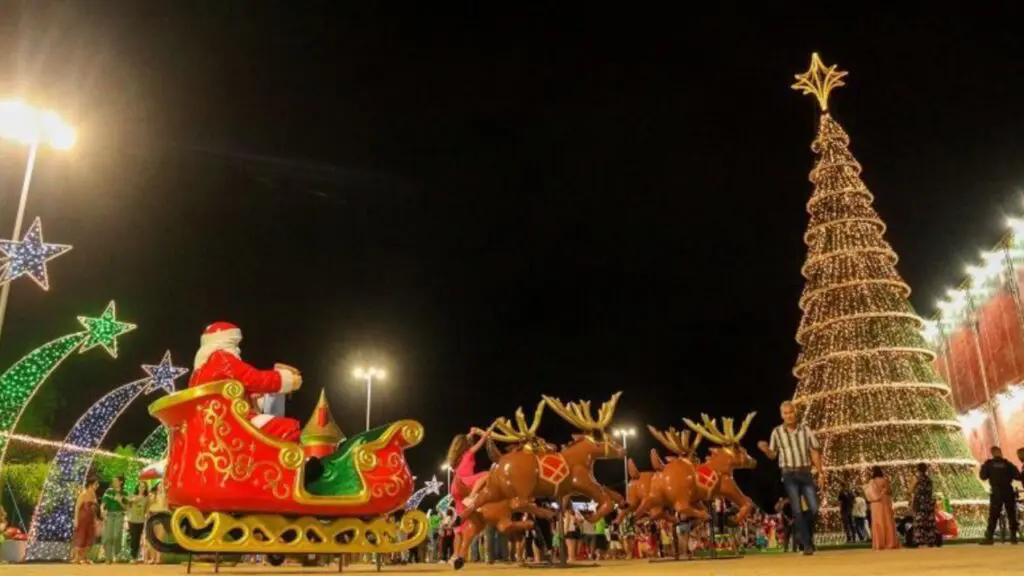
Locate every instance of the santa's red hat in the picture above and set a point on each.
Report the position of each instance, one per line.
(217, 336)
(221, 331)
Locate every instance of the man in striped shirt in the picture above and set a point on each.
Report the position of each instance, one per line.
(796, 448)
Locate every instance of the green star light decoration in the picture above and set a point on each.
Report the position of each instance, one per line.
(104, 330)
(21, 381)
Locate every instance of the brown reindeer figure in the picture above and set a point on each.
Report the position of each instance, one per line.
(714, 477)
(652, 499)
(637, 491)
(524, 475)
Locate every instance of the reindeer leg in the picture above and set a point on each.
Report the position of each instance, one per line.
(597, 493)
(537, 511)
(732, 493)
(685, 509)
(646, 506)
(615, 496)
(502, 518)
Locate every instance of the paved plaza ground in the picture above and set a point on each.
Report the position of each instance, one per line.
(964, 560)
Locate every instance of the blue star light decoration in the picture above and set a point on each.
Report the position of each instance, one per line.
(163, 374)
(29, 256)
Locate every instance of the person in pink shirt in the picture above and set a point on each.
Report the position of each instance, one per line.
(467, 482)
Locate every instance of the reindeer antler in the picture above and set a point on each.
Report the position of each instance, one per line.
(677, 442)
(522, 432)
(578, 413)
(711, 431)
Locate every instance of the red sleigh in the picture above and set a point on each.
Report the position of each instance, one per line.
(231, 488)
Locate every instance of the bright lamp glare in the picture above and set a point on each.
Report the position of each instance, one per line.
(23, 123)
(371, 372)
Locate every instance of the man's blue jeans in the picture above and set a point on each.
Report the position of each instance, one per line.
(799, 484)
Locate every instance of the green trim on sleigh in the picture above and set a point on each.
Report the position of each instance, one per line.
(340, 477)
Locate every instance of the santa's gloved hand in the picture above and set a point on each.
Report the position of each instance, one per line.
(296, 377)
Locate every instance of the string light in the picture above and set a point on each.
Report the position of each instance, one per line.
(52, 525)
(44, 443)
(432, 486)
(29, 256)
(22, 380)
(866, 381)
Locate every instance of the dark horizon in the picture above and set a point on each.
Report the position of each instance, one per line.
(495, 204)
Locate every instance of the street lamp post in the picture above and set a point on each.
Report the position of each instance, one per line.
(368, 373)
(30, 126)
(625, 434)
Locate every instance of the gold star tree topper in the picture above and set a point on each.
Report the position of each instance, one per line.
(820, 80)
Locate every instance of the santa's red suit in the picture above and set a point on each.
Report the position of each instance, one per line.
(219, 359)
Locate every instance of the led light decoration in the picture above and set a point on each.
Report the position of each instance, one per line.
(105, 330)
(432, 486)
(21, 381)
(153, 448)
(52, 524)
(29, 256)
(444, 504)
(866, 382)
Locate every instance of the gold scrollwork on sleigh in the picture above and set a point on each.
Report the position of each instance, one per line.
(272, 534)
(231, 459)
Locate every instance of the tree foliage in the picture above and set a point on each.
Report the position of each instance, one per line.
(22, 484)
(110, 467)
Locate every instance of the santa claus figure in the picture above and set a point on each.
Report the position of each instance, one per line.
(219, 358)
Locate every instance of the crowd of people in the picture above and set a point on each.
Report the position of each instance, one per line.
(101, 520)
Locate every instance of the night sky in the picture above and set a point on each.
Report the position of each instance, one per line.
(494, 203)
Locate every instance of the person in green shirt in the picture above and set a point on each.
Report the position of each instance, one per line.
(113, 505)
(600, 538)
(138, 509)
(434, 528)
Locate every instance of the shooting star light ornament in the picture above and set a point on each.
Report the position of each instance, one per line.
(29, 256)
(52, 525)
(432, 486)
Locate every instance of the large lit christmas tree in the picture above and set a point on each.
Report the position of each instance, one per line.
(866, 382)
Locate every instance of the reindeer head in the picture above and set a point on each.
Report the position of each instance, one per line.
(729, 454)
(522, 434)
(676, 442)
(593, 431)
